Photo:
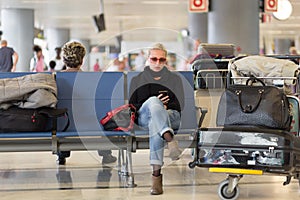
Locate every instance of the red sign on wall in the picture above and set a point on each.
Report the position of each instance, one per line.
(271, 5)
(198, 6)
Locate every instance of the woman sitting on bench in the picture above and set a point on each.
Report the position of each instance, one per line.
(158, 95)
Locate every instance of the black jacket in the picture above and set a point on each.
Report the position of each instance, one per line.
(144, 86)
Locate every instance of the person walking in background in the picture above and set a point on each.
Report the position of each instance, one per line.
(58, 60)
(73, 55)
(158, 95)
(97, 66)
(7, 63)
(37, 63)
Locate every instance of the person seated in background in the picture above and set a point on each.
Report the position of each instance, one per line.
(293, 51)
(158, 95)
(73, 55)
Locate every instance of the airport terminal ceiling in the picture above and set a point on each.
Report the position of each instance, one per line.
(138, 20)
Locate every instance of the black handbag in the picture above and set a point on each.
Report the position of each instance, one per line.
(249, 105)
(119, 119)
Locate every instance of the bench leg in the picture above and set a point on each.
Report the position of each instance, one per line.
(119, 160)
(125, 169)
(121, 163)
(54, 144)
(130, 169)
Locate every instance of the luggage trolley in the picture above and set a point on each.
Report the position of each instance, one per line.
(210, 73)
(239, 151)
(210, 65)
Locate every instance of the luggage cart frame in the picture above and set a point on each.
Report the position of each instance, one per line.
(278, 154)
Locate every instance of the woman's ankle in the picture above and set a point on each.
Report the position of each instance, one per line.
(168, 136)
(156, 170)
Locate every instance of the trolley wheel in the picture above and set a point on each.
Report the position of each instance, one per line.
(192, 164)
(224, 194)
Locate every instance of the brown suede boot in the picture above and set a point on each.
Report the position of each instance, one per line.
(174, 150)
(156, 188)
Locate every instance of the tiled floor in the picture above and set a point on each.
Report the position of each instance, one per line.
(36, 176)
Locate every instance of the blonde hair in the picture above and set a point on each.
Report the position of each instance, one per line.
(158, 46)
(73, 54)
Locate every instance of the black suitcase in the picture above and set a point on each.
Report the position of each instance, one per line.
(270, 150)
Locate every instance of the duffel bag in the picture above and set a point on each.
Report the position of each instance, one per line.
(254, 105)
(16, 119)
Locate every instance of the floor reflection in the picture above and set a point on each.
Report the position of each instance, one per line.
(35, 178)
(64, 178)
(103, 177)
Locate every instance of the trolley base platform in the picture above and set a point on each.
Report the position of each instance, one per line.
(246, 150)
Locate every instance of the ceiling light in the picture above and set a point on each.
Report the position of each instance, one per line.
(284, 11)
(38, 1)
(161, 2)
(185, 32)
(129, 17)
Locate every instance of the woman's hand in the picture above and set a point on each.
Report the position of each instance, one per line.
(164, 99)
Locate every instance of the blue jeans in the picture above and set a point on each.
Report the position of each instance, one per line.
(155, 118)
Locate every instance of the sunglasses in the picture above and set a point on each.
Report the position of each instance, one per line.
(161, 60)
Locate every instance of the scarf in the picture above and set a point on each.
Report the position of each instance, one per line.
(150, 75)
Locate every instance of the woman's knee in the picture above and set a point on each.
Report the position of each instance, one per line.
(153, 100)
(154, 104)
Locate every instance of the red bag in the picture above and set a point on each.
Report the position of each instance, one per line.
(119, 119)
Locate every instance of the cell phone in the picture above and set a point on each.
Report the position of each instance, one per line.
(164, 92)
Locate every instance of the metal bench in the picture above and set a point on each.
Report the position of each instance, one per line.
(88, 96)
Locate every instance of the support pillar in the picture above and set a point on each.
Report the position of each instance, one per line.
(56, 37)
(235, 22)
(18, 30)
(197, 26)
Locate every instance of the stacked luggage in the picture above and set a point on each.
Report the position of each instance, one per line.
(254, 136)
